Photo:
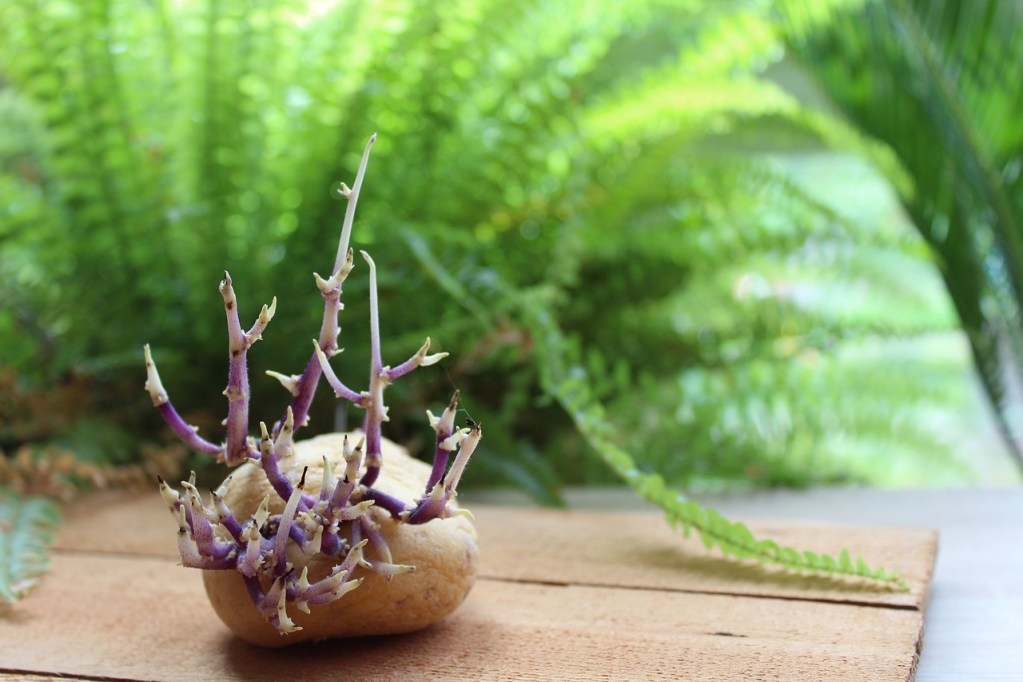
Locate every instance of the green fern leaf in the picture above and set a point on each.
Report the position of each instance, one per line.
(27, 527)
(813, 560)
(564, 379)
(844, 562)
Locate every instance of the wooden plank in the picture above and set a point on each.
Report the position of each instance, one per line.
(974, 620)
(115, 522)
(143, 618)
(589, 548)
(641, 550)
(563, 596)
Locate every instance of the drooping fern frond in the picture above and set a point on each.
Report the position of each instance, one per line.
(563, 376)
(565, 379)
(27, 527)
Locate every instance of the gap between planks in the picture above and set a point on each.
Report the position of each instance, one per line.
(129, 556)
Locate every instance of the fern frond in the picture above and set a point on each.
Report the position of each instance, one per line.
(563, 375)
(565, 379)
(27, 527)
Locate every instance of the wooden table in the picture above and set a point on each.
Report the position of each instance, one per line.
(974, 623)
(561, 595)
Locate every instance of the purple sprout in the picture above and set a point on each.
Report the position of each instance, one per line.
(211, 537)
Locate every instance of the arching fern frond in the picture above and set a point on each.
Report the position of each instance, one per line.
(565, 379)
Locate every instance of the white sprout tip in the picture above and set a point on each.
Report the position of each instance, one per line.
(285, 624)
(290, 383)
(222, 488)
(461, 511)
(182, 524)
(355, 553)
(262, 512)
(455, 439)
(267, 314)
(326, 286)
(391, 570)
(437, 491)
(432, 359)
(153, 384)
(319, 351)
(425, 360)
(344, 588)
(170, 496)
(344, 190)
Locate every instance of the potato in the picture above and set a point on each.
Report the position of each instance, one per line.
(443, 552)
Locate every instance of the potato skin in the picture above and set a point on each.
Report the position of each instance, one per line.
(443, 551)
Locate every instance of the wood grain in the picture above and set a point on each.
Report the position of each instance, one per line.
(563, 596)
(641, 550)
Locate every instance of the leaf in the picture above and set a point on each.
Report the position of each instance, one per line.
(844, 562)
(563, 377)
(27, 527)
(734, 539)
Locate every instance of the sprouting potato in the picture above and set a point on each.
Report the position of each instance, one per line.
(442, 552)
(337, 536)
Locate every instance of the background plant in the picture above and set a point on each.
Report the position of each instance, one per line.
(936, 83)
(634, 169)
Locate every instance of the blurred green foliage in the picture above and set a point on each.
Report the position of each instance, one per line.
(937, 81)
(633, 169)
